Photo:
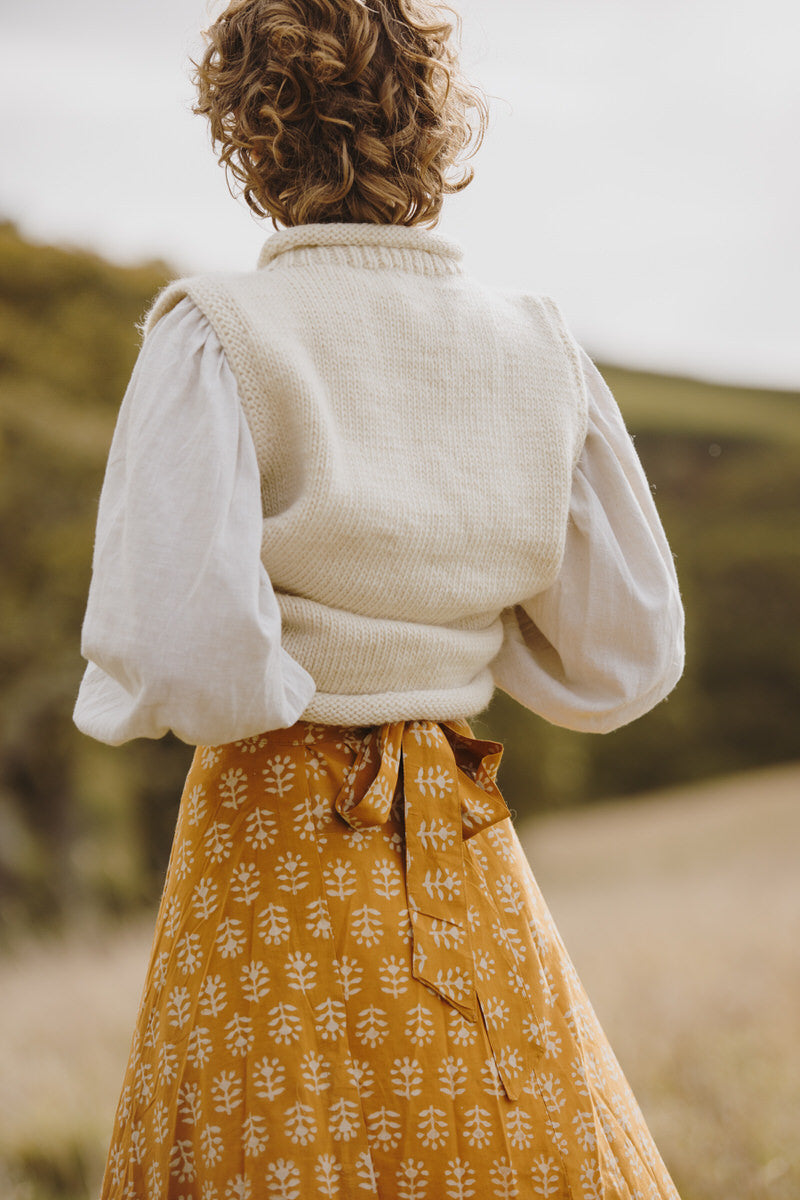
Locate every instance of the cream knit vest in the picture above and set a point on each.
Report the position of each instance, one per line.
(416, 432)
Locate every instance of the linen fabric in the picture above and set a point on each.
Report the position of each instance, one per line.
(372, 368)
(182, 628)
(356, 989)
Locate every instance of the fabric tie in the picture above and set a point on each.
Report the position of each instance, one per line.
(459, 942)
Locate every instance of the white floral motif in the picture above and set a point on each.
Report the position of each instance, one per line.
(504, 1177)
(167, 1064)
(462, 1031)
(343, 1119)
(496, 1011)
(255, 981)
(261, 829)
(279, 775)
(340, 879)
(301, 970)
(520, 1128)
(292, 872)
(182, 859)
(273, 924)
(431, 781)
(387, 879)
(204, 898)
(362, 1077)
(350, 973)
(384, 1128)
(393, 975)
(172, 915)
(155, 1180)
(552, 1090)
(189, 1102)
(284, 1023)
(245, 883)
(212, 997)
(543, 1032)
(231, 937)
(315, 1072)
(591, 1182)
(218, 842)
(159, 1122)
(438, 835)
(412, 1180)
(328, 1174)
(406, 1077)
(138, 1142)
(432, 1127)
(509, 895)
(209, 756)
(200, 1047)
(452, 1076)
(318, 921)
(190, 953)
(330, 1018)
(254, 1136)
(477, 1127)
(419, 1027)
(365, 925)
(445, 934)
(179, 1006)
(238, 1188)
(583, 1124)
(196, 804)
(460, 1179)
(181, 1161)
(282, 1178)
(372, 1027)
(300, 1124)
(211, 1145)
(545, 1177)
(226, 1092)
(239, 1035)
(233, 788)
(444, 883)
(305, 825)
(490, 1076)
(152, 1031)
(268, 1078)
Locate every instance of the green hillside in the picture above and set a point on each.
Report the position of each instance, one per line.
(83, 824)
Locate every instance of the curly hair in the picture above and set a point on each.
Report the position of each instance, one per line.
(336, 110)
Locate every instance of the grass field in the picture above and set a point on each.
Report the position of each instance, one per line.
(681, 913)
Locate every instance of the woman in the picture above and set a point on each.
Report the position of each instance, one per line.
(349, 493)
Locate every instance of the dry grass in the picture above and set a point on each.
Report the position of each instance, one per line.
(681, 912)
(682, 915)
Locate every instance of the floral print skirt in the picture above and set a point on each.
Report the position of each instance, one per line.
(356, 989)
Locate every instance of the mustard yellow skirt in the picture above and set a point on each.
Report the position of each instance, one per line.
(356, 989)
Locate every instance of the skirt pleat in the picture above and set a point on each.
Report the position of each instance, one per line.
(356, 989)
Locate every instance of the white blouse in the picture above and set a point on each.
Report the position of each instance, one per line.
(182, 627)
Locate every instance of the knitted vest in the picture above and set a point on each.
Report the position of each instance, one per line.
(416, 433)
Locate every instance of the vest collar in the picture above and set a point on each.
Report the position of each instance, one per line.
(369, 244)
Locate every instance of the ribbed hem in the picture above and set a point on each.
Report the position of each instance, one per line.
(441, 705)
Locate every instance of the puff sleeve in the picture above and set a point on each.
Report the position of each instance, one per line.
(182, 628)
(605, 643)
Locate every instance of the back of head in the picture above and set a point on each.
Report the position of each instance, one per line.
(338, 110)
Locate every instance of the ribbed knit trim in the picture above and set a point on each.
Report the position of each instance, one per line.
(442, 704)
(408, 247)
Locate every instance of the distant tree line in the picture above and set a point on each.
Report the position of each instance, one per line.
(84, 825)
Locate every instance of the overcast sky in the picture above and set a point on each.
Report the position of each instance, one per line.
(641, 165)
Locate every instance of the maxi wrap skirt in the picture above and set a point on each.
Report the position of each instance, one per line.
(356, 989)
